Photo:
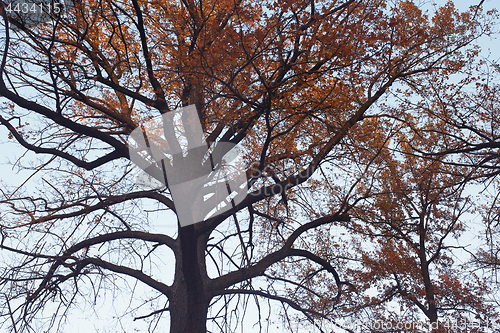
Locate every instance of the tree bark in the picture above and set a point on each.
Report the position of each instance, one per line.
(189, 304)
(431, 312)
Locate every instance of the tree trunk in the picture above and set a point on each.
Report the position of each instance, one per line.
(189, 304)
(431, 312)
(188, 314)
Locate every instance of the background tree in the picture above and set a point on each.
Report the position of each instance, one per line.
(413, 253)
(296, 83)
(466, 130)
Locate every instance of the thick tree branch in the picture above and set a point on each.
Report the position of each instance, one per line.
(62, 121)
(104, 204)
(158, 90)
(259, 268)
(52, 151)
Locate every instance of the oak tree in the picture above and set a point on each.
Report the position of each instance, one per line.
(300, 86)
